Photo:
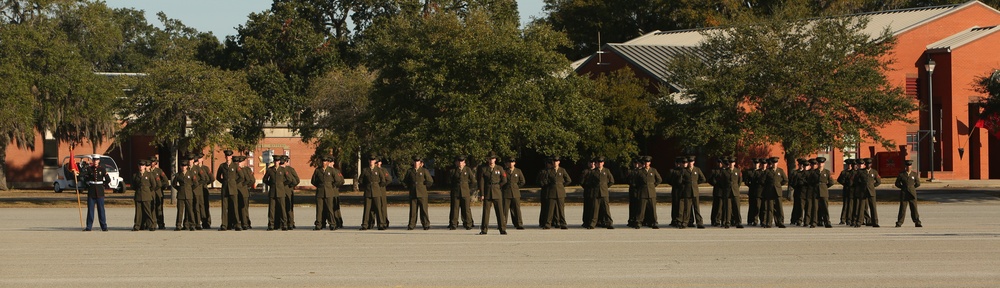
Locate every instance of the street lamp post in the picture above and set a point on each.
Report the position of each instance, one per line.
(930, 91)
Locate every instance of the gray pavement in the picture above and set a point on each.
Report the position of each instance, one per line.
(989, 183)
(958, 247)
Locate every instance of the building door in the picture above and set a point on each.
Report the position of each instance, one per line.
(994, 159)
(912, 143)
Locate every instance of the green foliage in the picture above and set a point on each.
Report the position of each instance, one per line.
(48, 51)
(176, 41)
(334, 18)
(281, 51)
(135, 51)
(92, 28)
(142, 43)
(990, 85)
(16, 120)
(180, 88)
(85, 111)
(616, 21)
(805, 84)
(708, 115)
(185, 100)
(341, 100)
(72, 102)
(25, 11)
(464, 80)
(629, 116)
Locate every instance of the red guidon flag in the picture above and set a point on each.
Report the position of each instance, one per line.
(72, 162)
(990, 122)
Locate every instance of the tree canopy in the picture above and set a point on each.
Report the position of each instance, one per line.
(282, 50)
(341, 99)
(807, 84)
(49, 50)
(465, 80)
(628, 117)
(189, 101)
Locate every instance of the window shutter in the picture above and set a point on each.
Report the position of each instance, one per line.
(912, 84)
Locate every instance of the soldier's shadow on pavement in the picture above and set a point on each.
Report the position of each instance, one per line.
(965, 195)
(942, 195)
(995, 235)
(401, 230)
(95, 229)
(78, 229)
(49, 229)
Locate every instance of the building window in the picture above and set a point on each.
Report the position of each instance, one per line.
(912, 140)
(50, 150)
(851, 150)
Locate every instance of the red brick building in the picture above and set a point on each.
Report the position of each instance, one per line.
(37, 168)
(961, 40)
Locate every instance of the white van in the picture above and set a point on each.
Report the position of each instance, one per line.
(65, 182)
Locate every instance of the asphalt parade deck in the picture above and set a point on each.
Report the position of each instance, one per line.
(958, 247)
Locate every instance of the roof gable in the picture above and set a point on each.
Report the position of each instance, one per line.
(652, 59)
(902, 20)
(897, 21)
(962, 38)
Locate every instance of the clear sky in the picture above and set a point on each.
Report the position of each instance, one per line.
(222, 16)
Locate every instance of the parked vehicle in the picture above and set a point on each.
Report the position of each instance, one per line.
(65, 181)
